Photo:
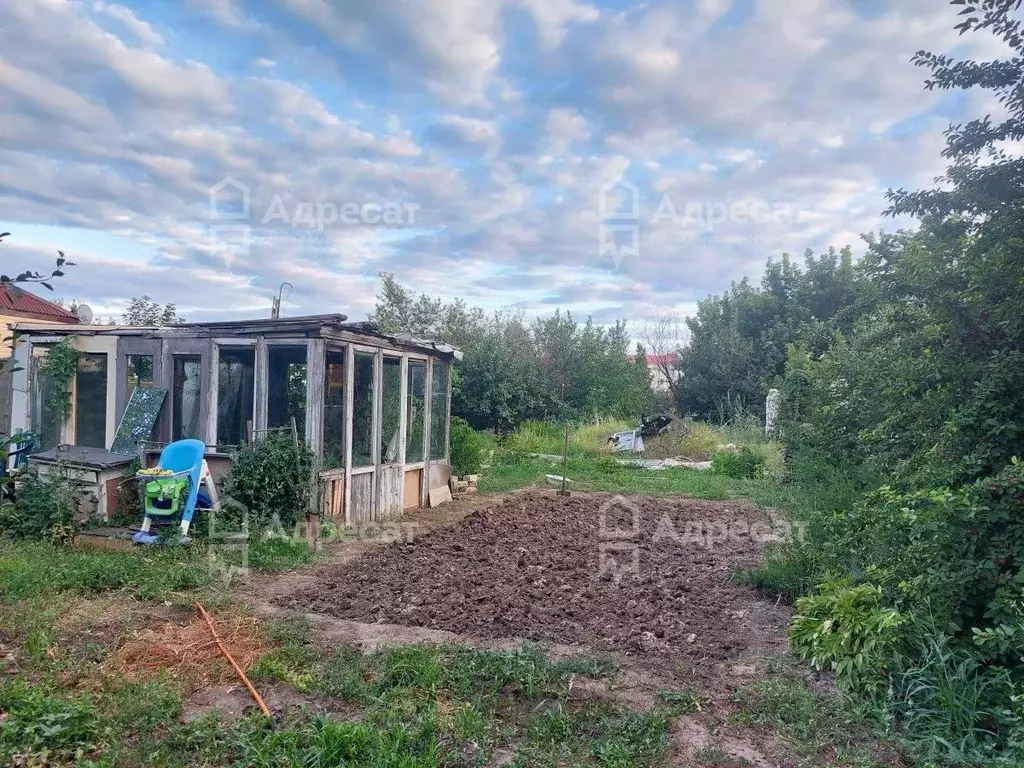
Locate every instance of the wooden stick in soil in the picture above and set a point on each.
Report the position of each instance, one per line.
(255, 694)
(565, 462)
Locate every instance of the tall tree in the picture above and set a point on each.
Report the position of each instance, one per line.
(663, 337)
(739, 340)
(142, 310)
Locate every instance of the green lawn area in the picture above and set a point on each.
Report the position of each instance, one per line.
(594, 472)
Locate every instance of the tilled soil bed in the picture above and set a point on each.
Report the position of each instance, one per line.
(627, 574)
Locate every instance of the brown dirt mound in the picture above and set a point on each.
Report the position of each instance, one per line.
(615, 573)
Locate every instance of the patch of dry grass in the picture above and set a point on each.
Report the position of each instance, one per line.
(690, 440)
(188, 653)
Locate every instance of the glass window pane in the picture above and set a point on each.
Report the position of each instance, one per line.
(391, 417)
(138, 373)
(334, 411)
(362, 410)
(439, 411)
(186, 397)
(91, 401)
(46, 420)
(415, 410)
(236, 383)
(286, 394)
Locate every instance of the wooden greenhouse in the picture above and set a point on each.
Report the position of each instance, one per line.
(374, 407)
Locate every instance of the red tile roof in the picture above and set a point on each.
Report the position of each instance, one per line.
(18, 301)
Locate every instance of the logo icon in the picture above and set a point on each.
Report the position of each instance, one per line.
(229, 231)
(618, 531)
(229, 200)
(618, 212)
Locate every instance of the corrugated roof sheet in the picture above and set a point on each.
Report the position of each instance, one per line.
(20, 302)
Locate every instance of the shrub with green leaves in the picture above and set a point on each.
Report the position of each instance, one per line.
(273, 477)
(44, 508)
(740, 465)
(693, 440)
(467, 448)
(846, 629)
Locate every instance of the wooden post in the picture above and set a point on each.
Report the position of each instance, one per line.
(403, 415)
(565, 462)
(428, 404)
(261, 375)
(350, 364)
(378, 417)
(316, 377)
(212, 395)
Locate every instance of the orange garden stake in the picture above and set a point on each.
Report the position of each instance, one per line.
(255, 694)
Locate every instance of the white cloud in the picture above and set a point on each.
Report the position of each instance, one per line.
(139, 28)
(553, 16)
(108, 126)
(565, 126)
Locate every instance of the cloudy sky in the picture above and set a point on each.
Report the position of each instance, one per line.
(614, 158)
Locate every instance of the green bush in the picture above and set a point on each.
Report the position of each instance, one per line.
(847, 630)
(692, 440)
(537, 437)
(771, 460)
(740, 465)
(45, 507)
(275, 477)
(467, 448)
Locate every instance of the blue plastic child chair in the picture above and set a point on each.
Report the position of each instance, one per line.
(185, 459)
(18, 449)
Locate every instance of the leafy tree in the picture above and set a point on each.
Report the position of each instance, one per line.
(142, 310)
(511, 371)
(921, 385)
(399, 310)
(739, 340)
(664, 337)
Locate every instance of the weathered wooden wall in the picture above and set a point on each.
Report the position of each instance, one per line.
(362, 498)
(390, 492)
(332, 495)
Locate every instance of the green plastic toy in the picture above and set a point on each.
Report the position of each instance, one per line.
(164, 497)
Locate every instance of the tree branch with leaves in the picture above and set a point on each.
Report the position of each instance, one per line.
(39, 278)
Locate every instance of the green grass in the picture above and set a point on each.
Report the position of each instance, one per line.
(549, 437)
(683, 701)
(715, 757)
(29, 568)
(33, 568)
(811, 724)
(511, 471)
(425, 705)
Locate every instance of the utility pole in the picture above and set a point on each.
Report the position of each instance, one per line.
(275, 303)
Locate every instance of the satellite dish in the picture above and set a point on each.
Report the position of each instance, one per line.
(84, 314)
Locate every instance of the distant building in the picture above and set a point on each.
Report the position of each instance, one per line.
(18, 306)
(658, 364)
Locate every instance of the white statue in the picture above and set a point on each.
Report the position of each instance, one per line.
(771, 411)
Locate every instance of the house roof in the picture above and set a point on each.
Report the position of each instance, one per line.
(322, 326)
(18, 301)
